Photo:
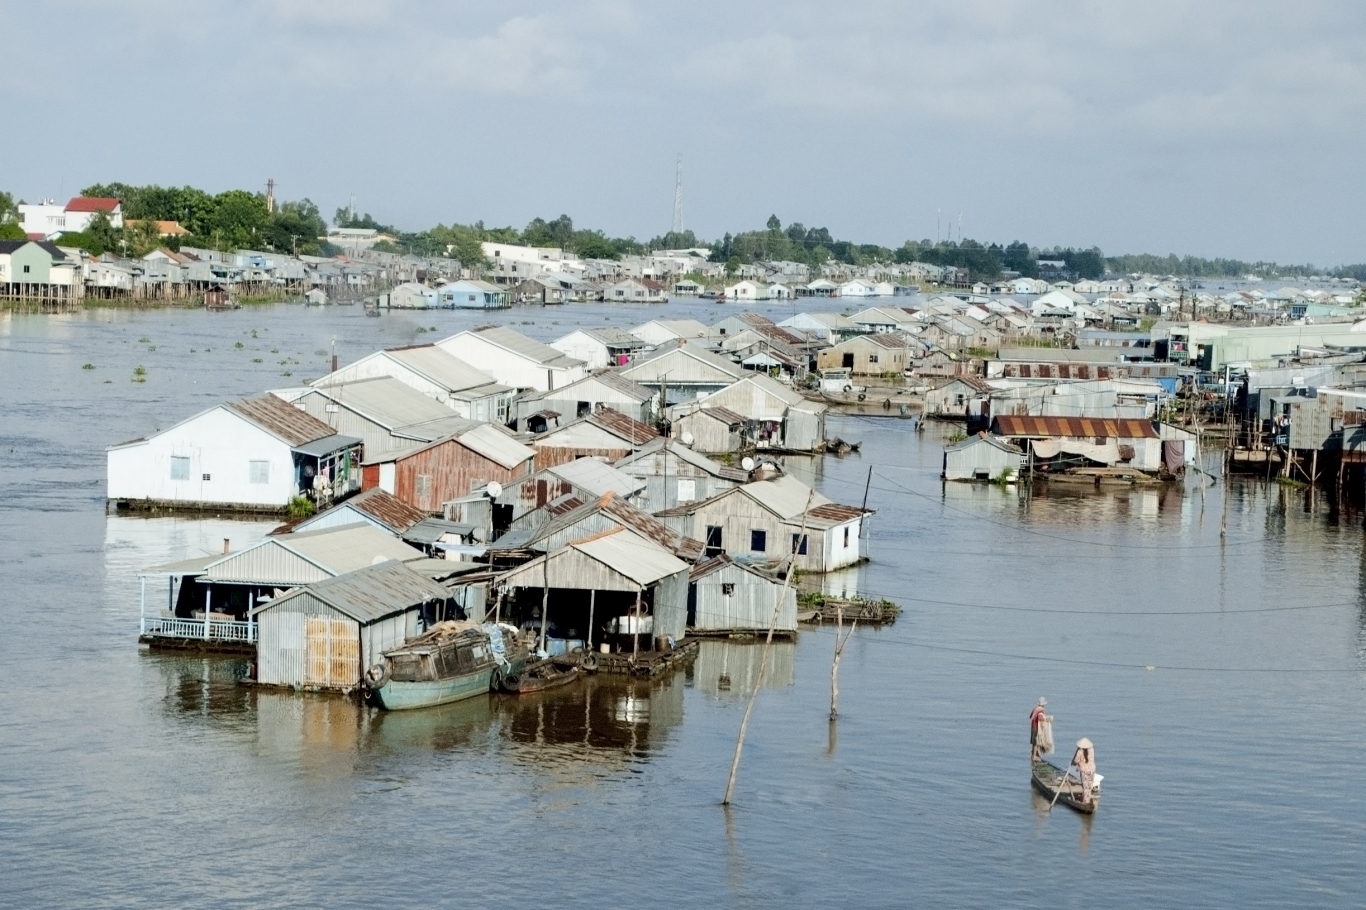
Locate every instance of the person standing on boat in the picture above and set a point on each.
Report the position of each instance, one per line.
(1035, 718)
(1084, 760)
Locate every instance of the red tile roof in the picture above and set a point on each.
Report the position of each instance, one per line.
(92, 204)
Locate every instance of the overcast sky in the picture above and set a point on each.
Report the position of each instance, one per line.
(1219, 128)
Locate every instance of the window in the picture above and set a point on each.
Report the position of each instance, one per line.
(26, 270)
(259, 471)
(687, 490)
(180, 468)
(206, 477)
(713, 540)
(872, 358)
(758, 541)
(799, 547)
(846, 536)
(727, 588)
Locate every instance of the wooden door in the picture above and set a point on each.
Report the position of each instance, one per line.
(332, 652)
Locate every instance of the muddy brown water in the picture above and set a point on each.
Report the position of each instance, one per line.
(1221, 682)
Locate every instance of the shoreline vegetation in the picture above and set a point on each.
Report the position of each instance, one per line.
(240, 219)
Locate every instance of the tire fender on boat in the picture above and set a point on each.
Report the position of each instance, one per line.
(512, 683)
(589, 662)
(496, 680)
(377, 676)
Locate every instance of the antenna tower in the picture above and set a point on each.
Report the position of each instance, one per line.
(270, 195)
(678, 197)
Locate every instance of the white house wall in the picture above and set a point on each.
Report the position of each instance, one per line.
(507, 368)
(220, 446)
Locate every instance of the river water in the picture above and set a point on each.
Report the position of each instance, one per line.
(1222, 682)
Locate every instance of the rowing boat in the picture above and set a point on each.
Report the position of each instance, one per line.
(1048, 779)
(541, 676)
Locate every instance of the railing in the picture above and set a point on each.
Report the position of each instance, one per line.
(215, 630)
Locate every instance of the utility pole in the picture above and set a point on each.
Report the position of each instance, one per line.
(678, 197)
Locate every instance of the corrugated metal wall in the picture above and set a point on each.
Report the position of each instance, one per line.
(290, 650)
(749, 607)
(548, 456)
(454, 471)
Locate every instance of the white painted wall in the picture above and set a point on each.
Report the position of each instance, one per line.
(217, 443)
(506, 367)
(583, 347)
(379, 364)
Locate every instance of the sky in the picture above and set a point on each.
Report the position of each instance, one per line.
(1219, 128)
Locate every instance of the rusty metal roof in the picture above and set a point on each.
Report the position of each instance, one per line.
(725, 414)
(1079, 427)
(387, 509)
(281, 419)
(833, 511)
(616, 422)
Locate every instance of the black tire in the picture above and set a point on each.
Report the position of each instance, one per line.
(862, 396)
(376, 677)
(512, 683)
(496, 680)
(848, 388)
(589, 662)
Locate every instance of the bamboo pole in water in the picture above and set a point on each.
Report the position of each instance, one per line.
(840, 642)
(763, 661)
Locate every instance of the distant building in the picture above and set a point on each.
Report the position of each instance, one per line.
(51, 220)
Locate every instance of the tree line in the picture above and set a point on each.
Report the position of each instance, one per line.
(237, 219)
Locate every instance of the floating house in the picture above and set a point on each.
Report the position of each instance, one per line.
(675, 474)
(725, 596)
(253, 454)
(870, 355)
(324, 635)
(1056, 443)
(762, 522)
(681, 370)
(603, 389)
(605, 433)
(471, 295)
(588, 479)
(662, 331)
(513, 359)
(391, 515)
(983, 457)
(387, 414)
(209, 599)
(429, 475)
(600, 347)
(615, 588)
(783, 418)
(716, 430)
(467, 391)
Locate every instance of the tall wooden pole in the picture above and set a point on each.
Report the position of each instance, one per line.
(763, 661)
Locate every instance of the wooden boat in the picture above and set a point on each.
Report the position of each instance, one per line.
(1048, 779)
(540, 676)
(449, 662)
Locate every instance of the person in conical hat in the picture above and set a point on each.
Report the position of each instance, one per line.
(1084, 760)
(1035, 718)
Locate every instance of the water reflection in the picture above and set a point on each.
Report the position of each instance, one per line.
(729, 669)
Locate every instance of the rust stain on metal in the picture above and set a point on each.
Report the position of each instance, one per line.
(1075, 427)
(277, 416)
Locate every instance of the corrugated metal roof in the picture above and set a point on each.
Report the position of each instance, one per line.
(623, 514)
(370, 594)
(442, 367)
(1079, 427)
(193, 566)
(386, 401)
(683, 453)
(683, 328)
(430, 530)
(834, 513)
(726, 415)
(597, 478)
(387, 509)
(328, 444)
(613, 337)
(526, 347)
(721, 561)
(495, 446)
(785, 496)
(670, 363)
(345, 549)
(280, 419)
(618, 423)
(631, 555)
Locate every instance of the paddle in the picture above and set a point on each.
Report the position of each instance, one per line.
(1058, 792)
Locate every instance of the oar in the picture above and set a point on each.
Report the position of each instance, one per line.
(1058, 791)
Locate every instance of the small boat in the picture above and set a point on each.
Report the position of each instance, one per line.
(451, 661)
(1048, 779)
(540, 676)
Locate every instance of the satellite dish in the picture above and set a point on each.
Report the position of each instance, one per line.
(686, 438)
(747, 463)
(494, 489)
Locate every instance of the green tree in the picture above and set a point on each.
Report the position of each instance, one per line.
(12, 230)
(9, 211)
(774, 225)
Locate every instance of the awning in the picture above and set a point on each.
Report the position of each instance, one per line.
(327, 445)
(1106, 454)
